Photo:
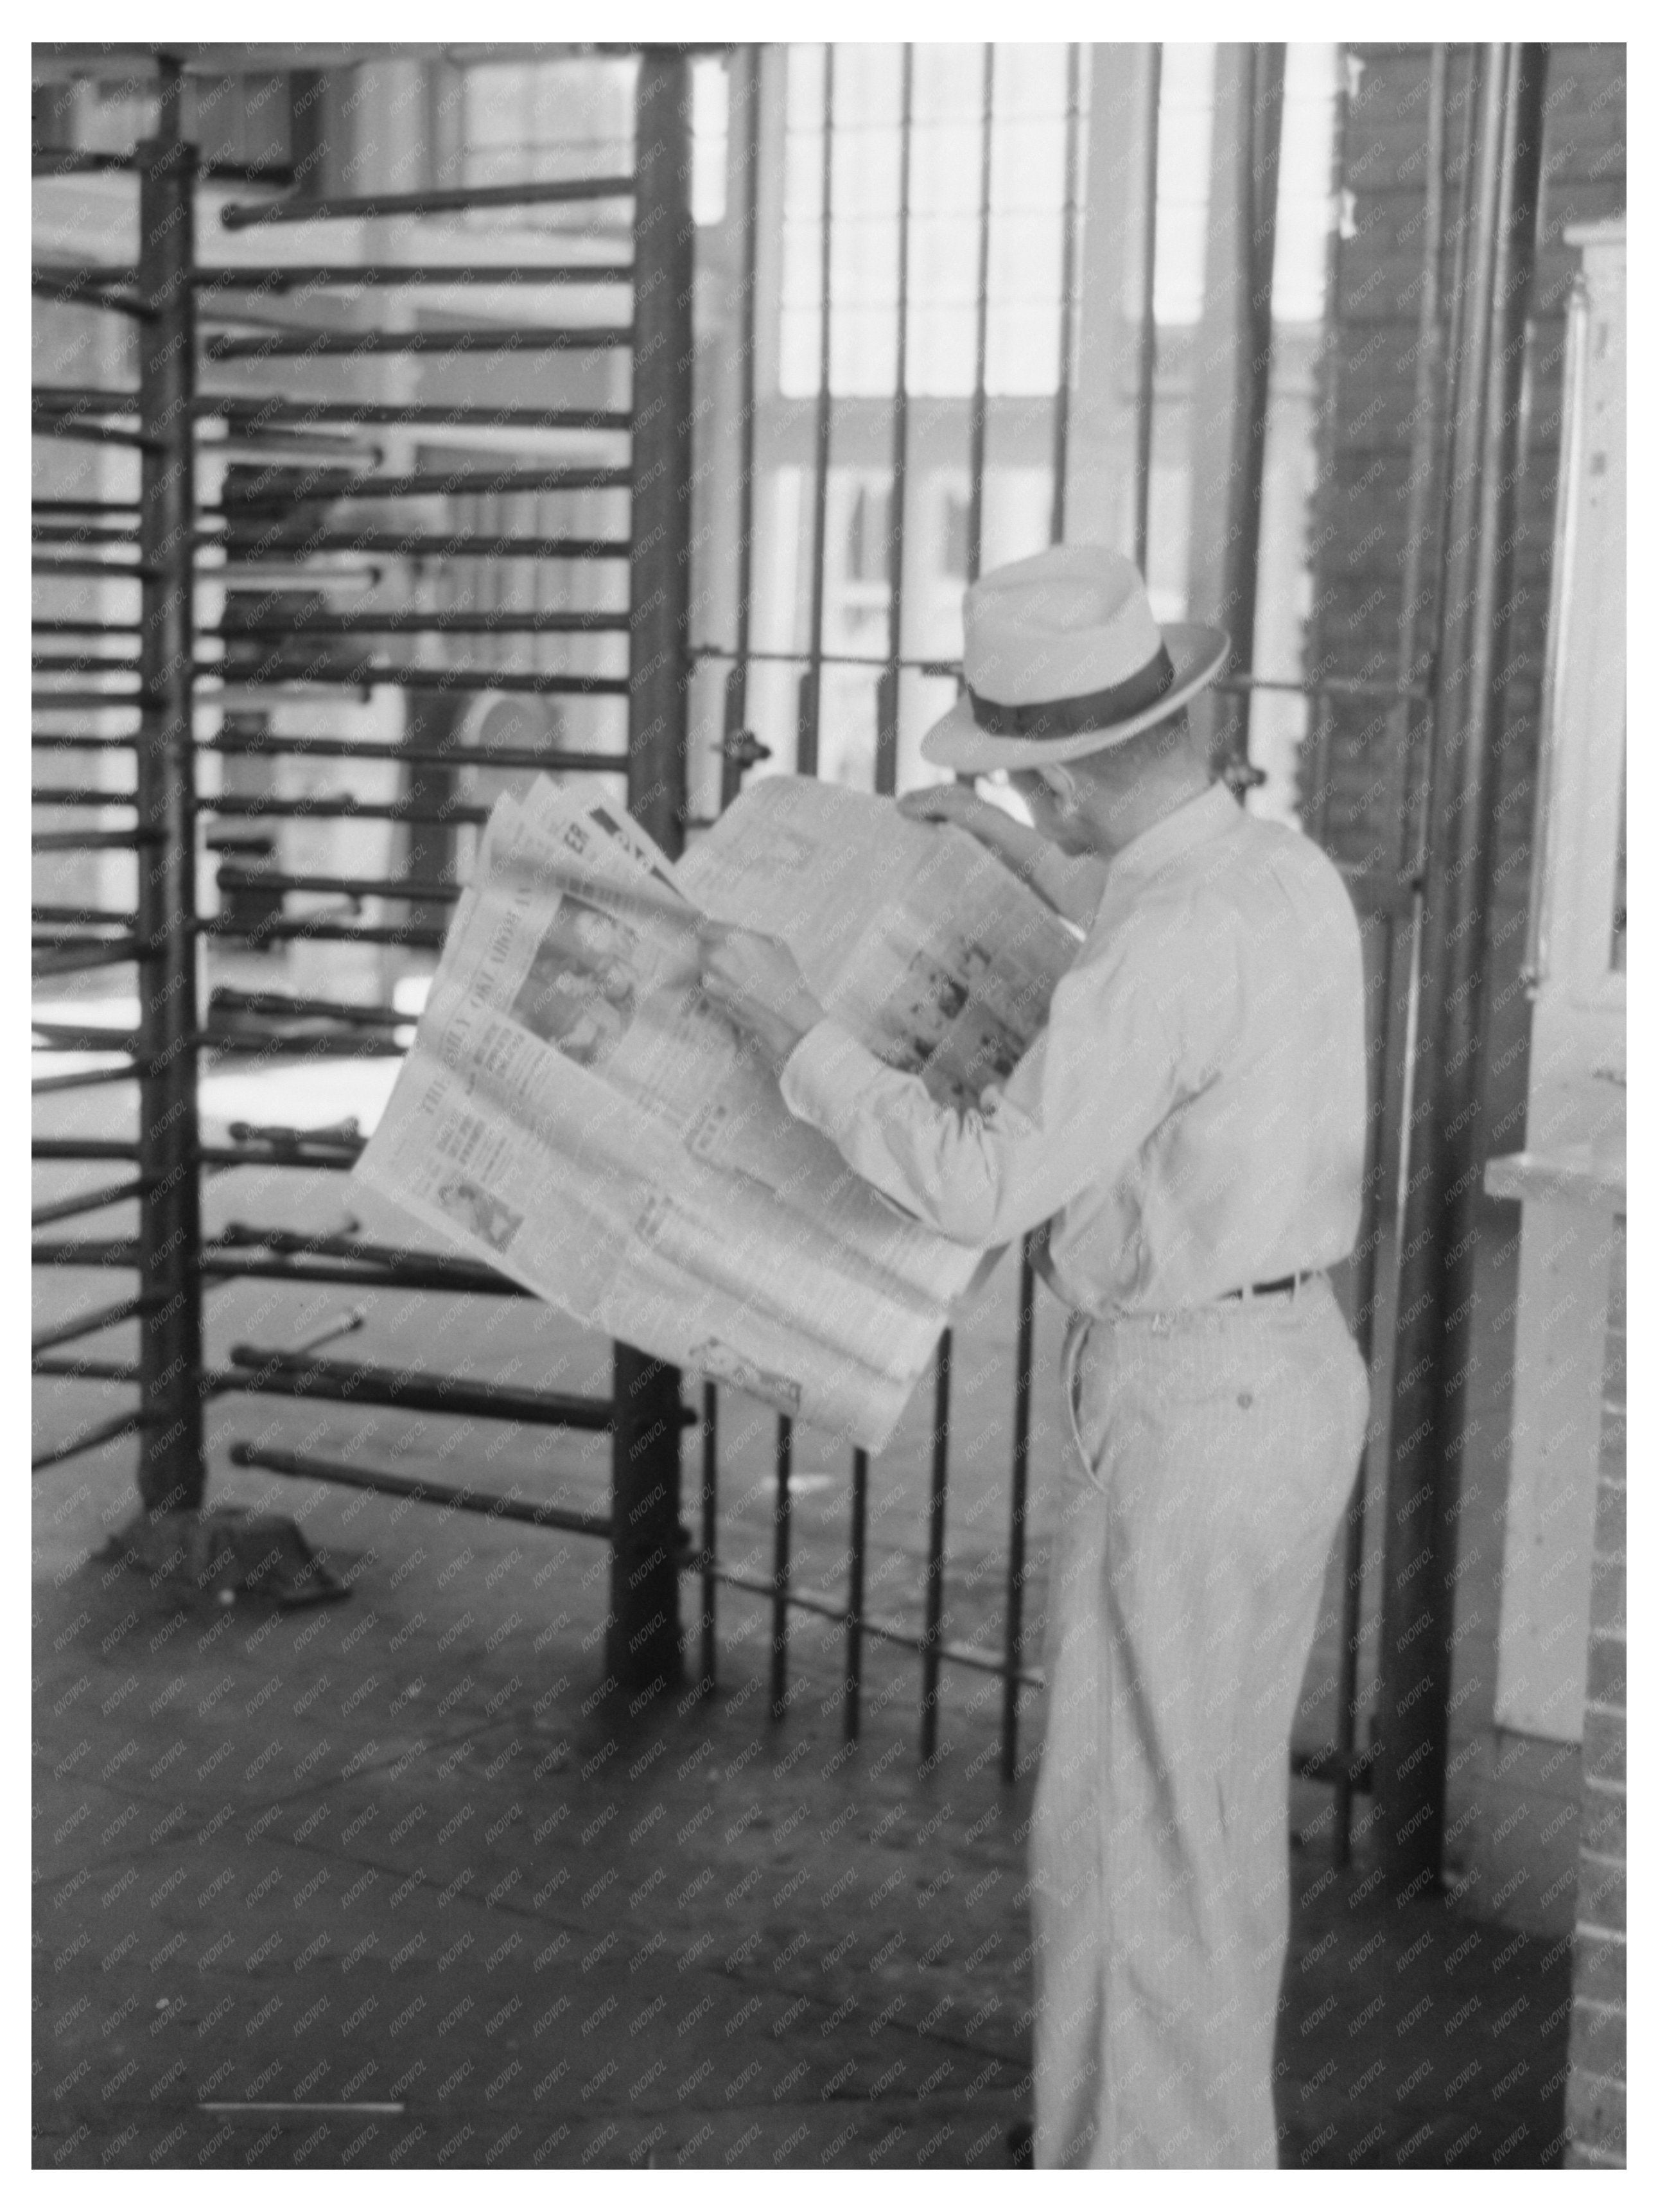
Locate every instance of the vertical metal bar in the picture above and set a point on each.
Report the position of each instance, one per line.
(805, 761)
(1403, 815)
(172, 1473)
(710, 1532)
(643, 1643)
(976, 422)
(1316, 789)
(659, 590)
(1013, 1620)
(854, 1672)
(811, 689)
(1430, 355)
(170, 113)
(736, 679)
(1146, 378)
(1067, 287)
(812, 683)
(1025, 1351)
(782, 1521)
(1439, 1249)
(887, 691)
(935, 1550)
(1534, 966)
(1313, 792)
(1258, 190)
(735, 745)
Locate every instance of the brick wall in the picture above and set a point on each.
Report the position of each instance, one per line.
(1595, 2090)
(1367, 407)
(1504, 1788)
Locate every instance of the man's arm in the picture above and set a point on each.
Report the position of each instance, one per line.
(1072, 884)
(1072, 887)
(1074, 1112)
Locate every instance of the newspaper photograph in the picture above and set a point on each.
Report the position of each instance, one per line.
(574, 1113)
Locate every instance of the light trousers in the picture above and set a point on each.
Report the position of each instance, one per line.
(1214, 1452)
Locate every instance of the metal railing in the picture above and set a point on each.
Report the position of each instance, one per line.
(180, 665)
(1396, 893)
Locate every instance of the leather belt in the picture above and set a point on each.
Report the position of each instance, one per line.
(1271, 1290)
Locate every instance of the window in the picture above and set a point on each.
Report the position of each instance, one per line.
(1186, 120)
(575, 118)
(1027, 85)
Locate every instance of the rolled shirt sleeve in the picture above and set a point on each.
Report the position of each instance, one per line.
(1074, 1113)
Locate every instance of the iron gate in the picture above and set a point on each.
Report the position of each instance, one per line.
(194, 693)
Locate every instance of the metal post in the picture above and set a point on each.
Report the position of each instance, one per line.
(812, 683)
(1067, 291)
(172, 1474)
(887, 686)
(1232, 376)
(857, 1554)
(710, 1531)
(1145, 378)
(1436, 1286)
(1024, 1356)
(782, 1523)
(1013, 1627)
(737, 748)
(977, 424)
(1258, 190)
(643, 1643)
(1404, 817)
(935, 1550)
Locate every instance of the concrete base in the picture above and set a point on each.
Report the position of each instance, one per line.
(385, 1884)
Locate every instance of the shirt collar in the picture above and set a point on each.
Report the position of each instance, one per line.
(1197, 821)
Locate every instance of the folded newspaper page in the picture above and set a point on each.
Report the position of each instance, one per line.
(576, 1113)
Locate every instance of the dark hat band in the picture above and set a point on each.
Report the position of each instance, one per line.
(1069, 717)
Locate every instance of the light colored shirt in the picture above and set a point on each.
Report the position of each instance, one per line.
(1193, 1118)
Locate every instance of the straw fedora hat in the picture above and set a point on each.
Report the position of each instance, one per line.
(1064, 657)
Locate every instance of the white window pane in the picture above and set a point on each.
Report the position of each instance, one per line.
(869, 85)
(1021, 353)
(948, 82)
(803, 174)
(946, 163)
(863, 343)
(1305, 200)
(1029, 80)
(944, 258)
(864, 267)
(804, 94)
(941, 348)
(1185, 129)
(1028, 164)
(798, 342)
(866, 172)
(1025, 259)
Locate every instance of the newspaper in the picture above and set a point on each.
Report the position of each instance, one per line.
(574, 1112)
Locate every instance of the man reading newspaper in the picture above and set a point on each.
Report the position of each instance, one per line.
(1187, 1136)
(574, 1112)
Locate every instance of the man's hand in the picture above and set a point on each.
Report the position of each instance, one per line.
(755, 983)
(1015, 846)
(954, 802)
